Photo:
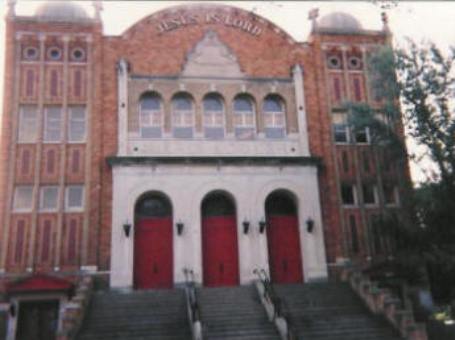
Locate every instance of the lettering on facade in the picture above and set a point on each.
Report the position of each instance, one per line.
(229, 20)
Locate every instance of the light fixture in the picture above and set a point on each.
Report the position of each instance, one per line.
(180, 226)
(246, 226)
(309, 225)
(262, 225)
(127, 229)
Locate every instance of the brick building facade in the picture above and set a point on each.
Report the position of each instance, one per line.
(192, 110)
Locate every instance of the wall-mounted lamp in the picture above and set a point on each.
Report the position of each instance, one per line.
(180, 226)
(127, 229)
(262, 225)
(12, 310)
(246, 226)
(309, 225)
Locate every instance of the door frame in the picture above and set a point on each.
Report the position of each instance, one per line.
(168, 200)
(16, 300)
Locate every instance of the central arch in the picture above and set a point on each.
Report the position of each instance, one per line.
(219, 240)
(153, 250)
(285, 259)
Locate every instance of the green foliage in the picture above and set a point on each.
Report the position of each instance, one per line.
(422, 79)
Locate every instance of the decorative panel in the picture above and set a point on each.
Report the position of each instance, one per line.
(71, 239)
(54, 84)
(29, 83)
(75, 163)
(45, 238)
(25, 163)
(77, 84)
(50, 163)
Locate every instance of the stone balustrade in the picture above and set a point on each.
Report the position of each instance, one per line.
(382, 301)
(73, 312)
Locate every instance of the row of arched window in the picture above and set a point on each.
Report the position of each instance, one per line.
(151, 116)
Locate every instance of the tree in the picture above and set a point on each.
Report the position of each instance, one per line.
(422, 80)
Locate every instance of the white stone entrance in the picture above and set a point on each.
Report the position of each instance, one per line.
(187, 184)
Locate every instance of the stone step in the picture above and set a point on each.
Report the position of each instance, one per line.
(329, 311)
(234, 313)
(134, 315)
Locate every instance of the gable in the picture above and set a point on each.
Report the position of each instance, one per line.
(211, 58)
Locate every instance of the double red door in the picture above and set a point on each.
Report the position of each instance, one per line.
(284, 249)
(220, 251)
(153, 256)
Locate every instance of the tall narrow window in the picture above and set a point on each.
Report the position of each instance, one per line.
(46, 240)
(337, 90)
(28, 124)
(23, 198)
(20, 231)
(72, 240)
(52, 124)
(74, 198)
(213, 116)
(345, 161)
(30, 83)
(50, 162)
(54, 83)
(77, 83)
(274, 117)
(75, 161)
(357, 90)
(354, 235)
(182, 115)
(48, 198)
(244, 117)
(25, 162)
(77, 124)
(150, 115)
(366, 162)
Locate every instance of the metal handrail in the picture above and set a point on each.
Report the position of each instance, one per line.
(277, 302)
(192, 298)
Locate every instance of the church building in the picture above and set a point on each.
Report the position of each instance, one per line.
(202, 138)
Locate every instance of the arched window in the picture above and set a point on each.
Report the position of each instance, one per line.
(244, 117)
(213, 116)
(182, 115)
(274, 116)
(151, 115)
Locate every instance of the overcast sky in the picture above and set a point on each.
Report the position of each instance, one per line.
(430, 20)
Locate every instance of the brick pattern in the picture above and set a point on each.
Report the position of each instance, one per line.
(150, 51)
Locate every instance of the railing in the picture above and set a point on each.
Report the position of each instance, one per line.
(192, 304)
(274, 305)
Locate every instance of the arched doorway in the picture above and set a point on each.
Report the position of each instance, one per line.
(153, 254)
(219, 240)
(285, 259)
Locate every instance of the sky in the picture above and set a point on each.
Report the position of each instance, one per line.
(418, 20)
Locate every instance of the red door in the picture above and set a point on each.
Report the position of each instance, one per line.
(153, 261)
(220, 251)
(284, 249)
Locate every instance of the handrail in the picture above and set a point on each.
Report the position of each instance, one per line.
(192, 304)
(277, 303)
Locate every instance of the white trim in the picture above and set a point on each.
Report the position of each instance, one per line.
(41, 198)
(74, 208)
(27, 209)
(70, 119)
(46, 120)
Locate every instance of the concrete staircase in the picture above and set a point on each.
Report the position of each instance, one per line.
(152, 314)
(234, 313)
(331, 311)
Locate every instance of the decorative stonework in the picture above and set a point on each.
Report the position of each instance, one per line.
(211, 58)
